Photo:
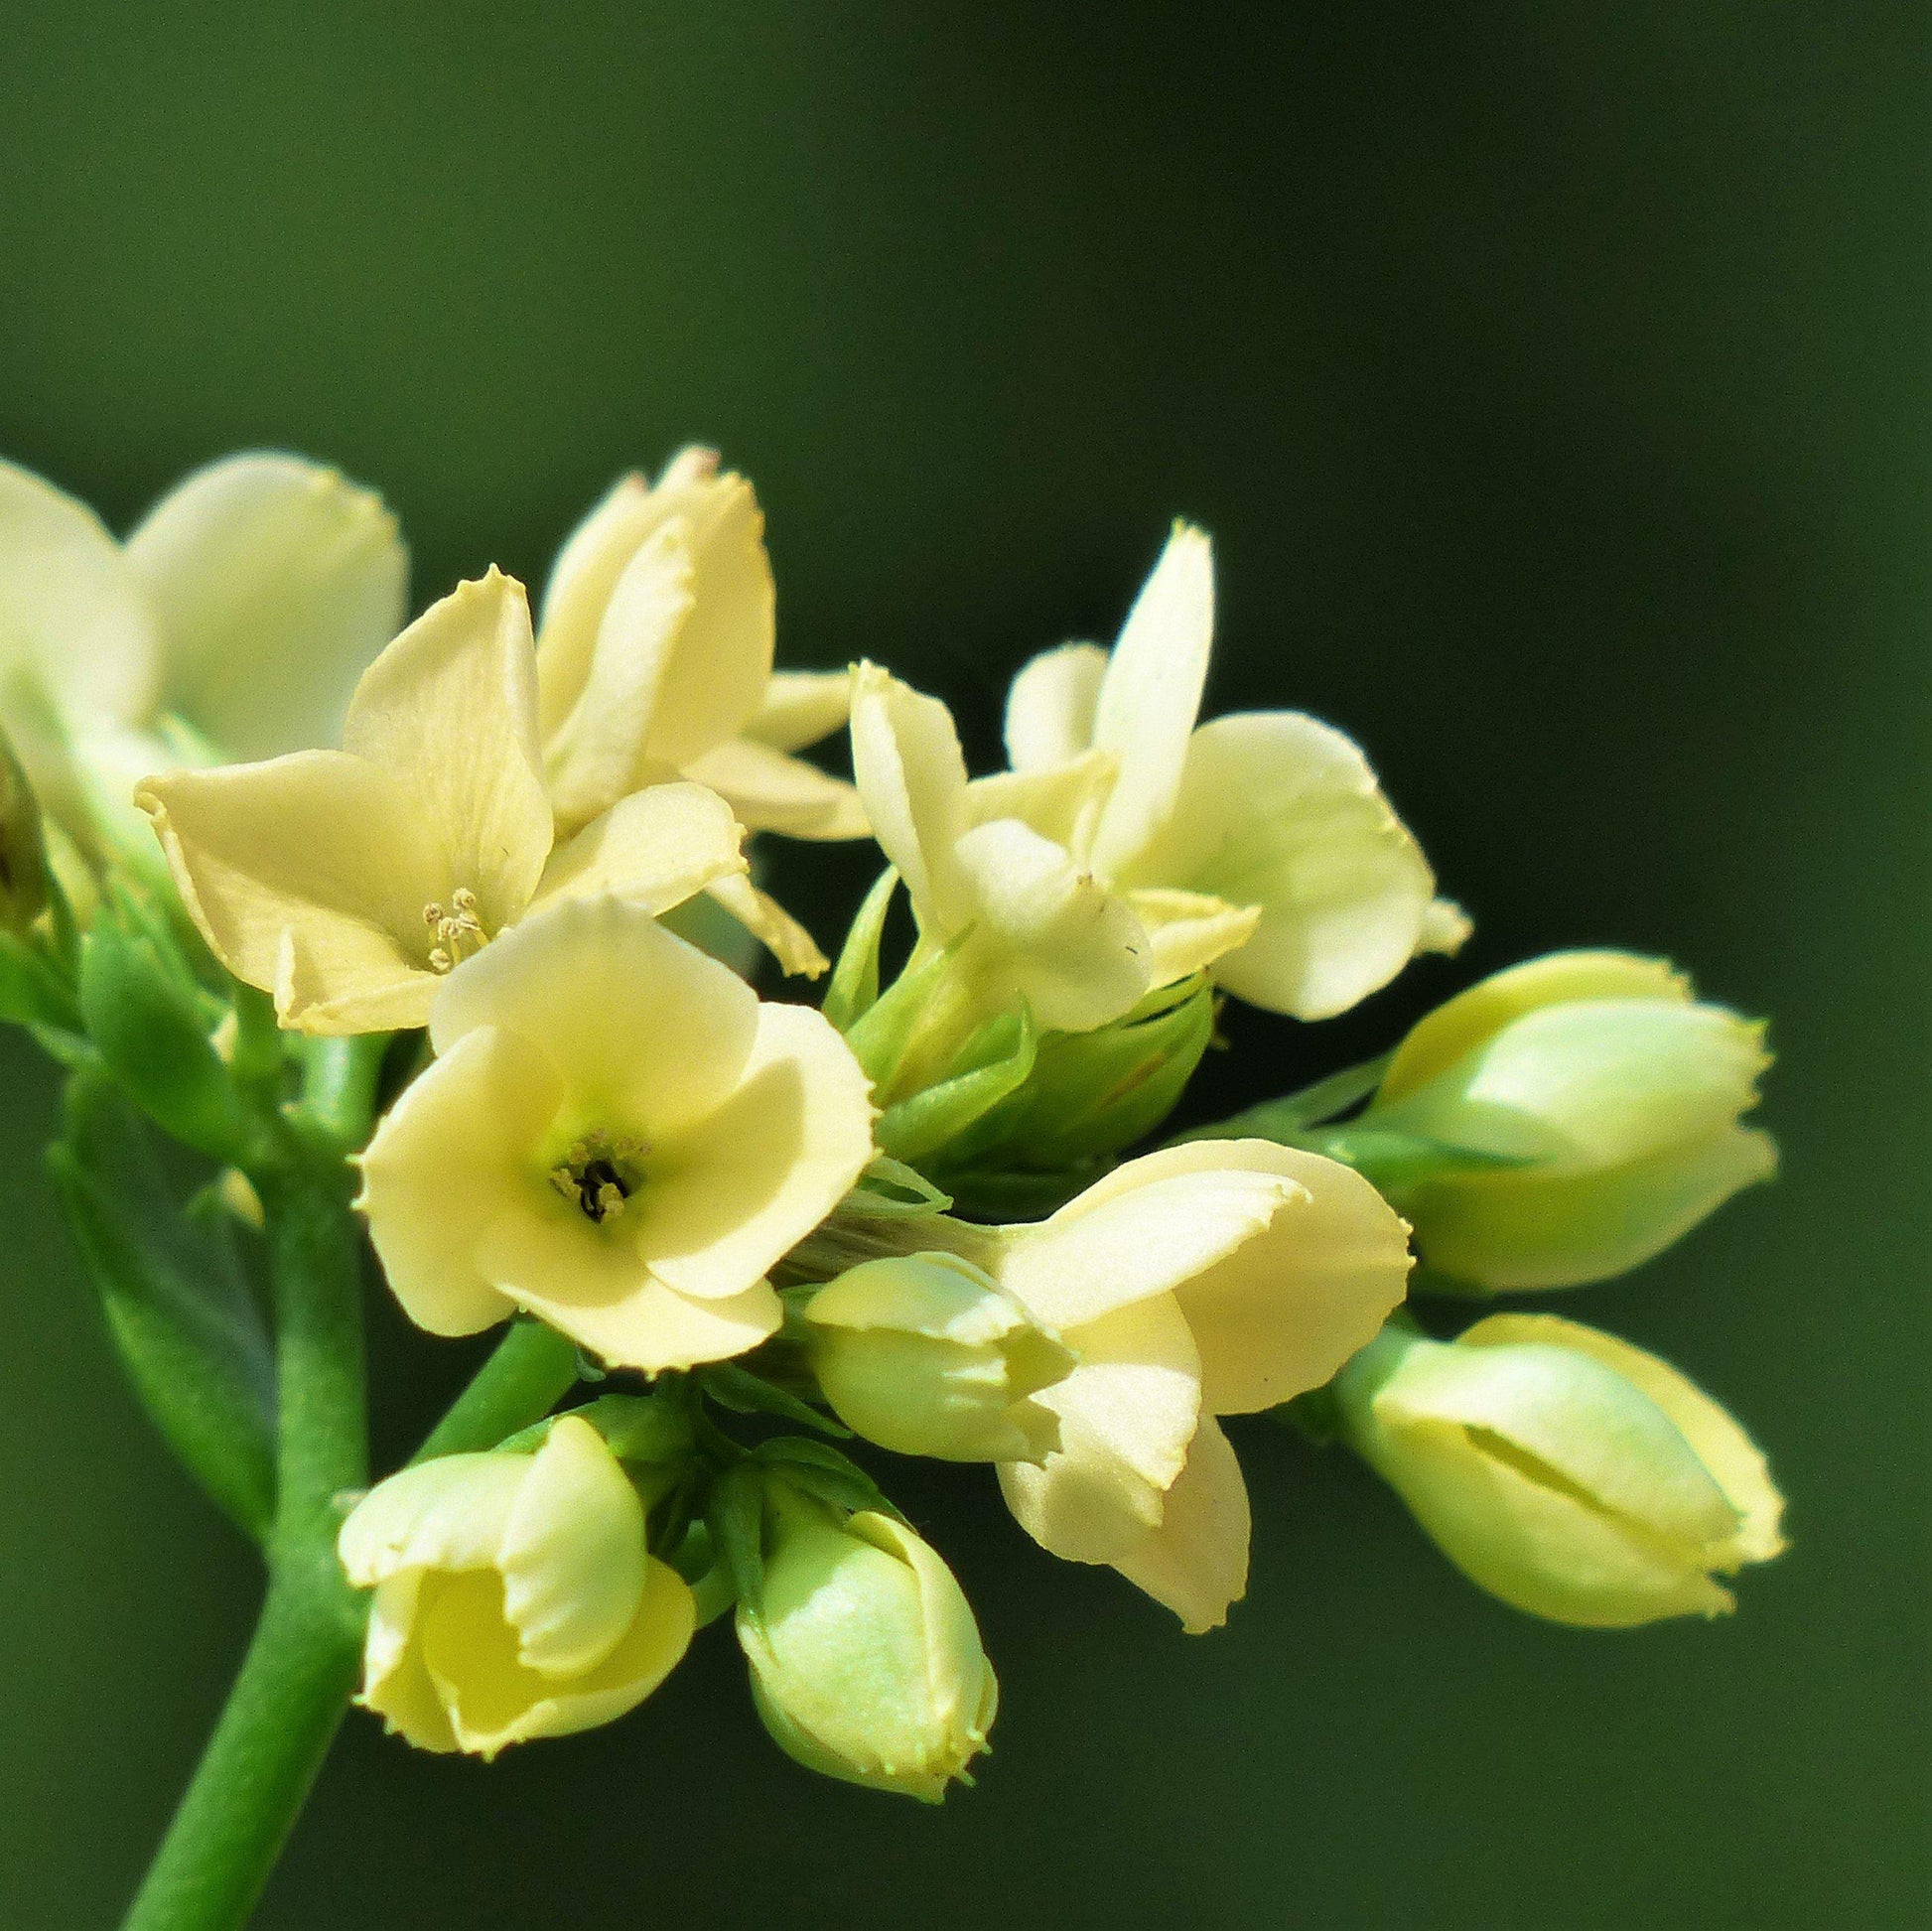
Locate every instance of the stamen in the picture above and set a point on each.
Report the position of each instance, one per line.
(599, 1174)
(457, 931)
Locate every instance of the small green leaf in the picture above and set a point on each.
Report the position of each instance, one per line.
(734, 1517)
(745, 1393)
(994, 1062)
(853, 990)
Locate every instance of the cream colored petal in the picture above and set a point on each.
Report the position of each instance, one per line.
(726, 1197)
(653, 849)
(573, 1554)
(1188, 930)
(911, 776)
(1280, 1314)
(72, 612)
(396, 1684)
(794, 948)
(308, 876)
(1151, 697)
(595, 751)
(645, 1032)
(1050, 707)
(449, 710)
(275, 581)
(1127, 1415)
(1056, 935)
(459, 1151)
(799, 707)
(450, 1513)
(594, 556)
(1279, 811)
(1471, 1017)
(771, 792)
(1196, 1561)
(1062, 803)
(1734, 1459)
(1146, 1229)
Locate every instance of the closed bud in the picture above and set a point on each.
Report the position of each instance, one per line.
(865, 1661)
(515, 1597)
(1568, 1472)
(929, 1356)
(1564, 1121)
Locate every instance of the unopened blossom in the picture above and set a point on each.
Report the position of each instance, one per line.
(1217, 1278)
(617, 1135)
(515, 1597)
(1267, 817)
(1563, 1471)
(347, 883)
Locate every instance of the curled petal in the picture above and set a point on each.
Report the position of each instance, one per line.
(772, 791)
(1050, 707)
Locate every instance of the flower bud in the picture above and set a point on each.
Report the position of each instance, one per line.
(1577, 1113)
(865, 1661)
(1569, 1473)
(929, 1356)
(515, 1597)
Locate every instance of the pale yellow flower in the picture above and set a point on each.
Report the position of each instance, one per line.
(654, 658)
(1217, 1278)
(349, 882)
(1263, 815)
(617, 1135)
(514, 1597)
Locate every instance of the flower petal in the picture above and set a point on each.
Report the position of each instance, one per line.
(450, 1513)
(582, 579)
(1151, 697)
(1050, 707)
(72, 612)
(308, 877)
(275, 581)
(794, 948)
(799, 707)
(449, 710)
(1196, 1561)
(1188, 930)
(771, 792)
(1279, 811)
(912, 775)
(653, 849)
(458, 1151)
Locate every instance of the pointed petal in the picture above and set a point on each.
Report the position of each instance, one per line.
(1188, 930)
(1062, 803)
(275, 581)
(912, 775)
(1196, 1561)
(1050, 707)
(771, 792)
(449, 710)
(1279, 811)
(1152, 695)
(308, 877)
(794, 948)
(799, 707)
(653, 849)
(72, 612)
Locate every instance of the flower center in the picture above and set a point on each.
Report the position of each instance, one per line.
(456, 932)
(599, 1174)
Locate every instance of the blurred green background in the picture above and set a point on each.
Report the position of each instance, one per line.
(1555, 382)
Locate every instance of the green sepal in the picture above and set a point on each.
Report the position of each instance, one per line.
(151, 1023)
(993, 1064)
(888, 1189)
(734, 1518)
(1015, 1193)
(696, 1560)
(853, 989)
(825, 1474)
(1292, 1115)
(644, 1429)
(187, 1325)
(745, 1393)
(31, 990)
(880, 1036)
(1397, 1162)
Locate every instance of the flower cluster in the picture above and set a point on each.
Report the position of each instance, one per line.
(430, 923)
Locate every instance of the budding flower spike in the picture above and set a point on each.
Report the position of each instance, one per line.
(930, 1218)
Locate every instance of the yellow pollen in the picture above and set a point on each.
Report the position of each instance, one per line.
(599, 1174)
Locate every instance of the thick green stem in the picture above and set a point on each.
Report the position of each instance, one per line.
(532, 1370)
(301, 1666)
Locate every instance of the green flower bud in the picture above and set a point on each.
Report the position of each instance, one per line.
(1564, 1121)
(931, 1356)
(865, 1661)
(1569, 1473)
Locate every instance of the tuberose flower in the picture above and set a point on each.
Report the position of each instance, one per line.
(1565, 1471)
(615, 1134)
(347, 883)
(1265, 816)
(1218, 1278)
(515, 1597)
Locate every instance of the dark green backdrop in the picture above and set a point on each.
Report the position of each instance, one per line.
(1554, 380)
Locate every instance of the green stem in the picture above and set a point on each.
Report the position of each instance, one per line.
(300, 1665)
(532, 1369)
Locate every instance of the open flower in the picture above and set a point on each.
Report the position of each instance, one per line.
(1218, 1278)
(654, 657)
(349, 882)
(1565, 1471)
(515, 1597)
(1266, 816)
(615, 1134)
